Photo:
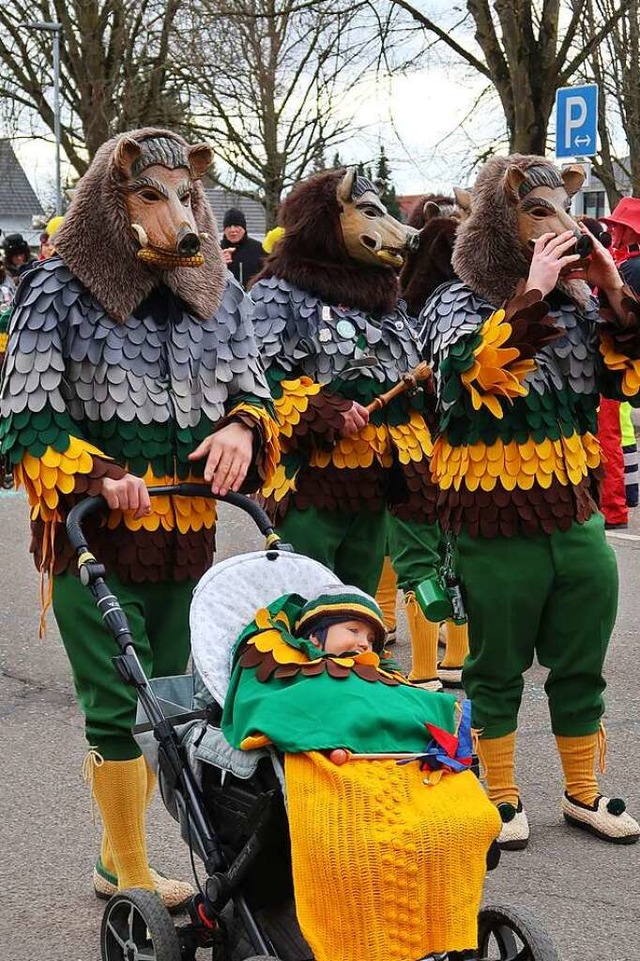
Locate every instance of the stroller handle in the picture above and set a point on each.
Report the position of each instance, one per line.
(92, 505)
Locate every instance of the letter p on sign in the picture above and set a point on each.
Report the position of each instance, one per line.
(575, 116)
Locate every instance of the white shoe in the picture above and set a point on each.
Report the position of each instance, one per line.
(428, 684)
(514, 835)
(606, 818)
(450, 676)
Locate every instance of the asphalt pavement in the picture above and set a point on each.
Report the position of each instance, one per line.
(584, 891)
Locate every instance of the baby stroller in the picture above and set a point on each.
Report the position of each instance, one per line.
(230, 804)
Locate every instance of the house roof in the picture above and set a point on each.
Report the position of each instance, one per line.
(17, 197)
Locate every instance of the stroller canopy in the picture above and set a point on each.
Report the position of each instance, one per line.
(228, 596)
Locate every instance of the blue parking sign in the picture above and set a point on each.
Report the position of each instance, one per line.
(577, 121)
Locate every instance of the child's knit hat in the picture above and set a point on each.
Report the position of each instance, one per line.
(341, 602)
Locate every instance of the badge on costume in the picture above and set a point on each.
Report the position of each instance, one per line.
(326, 313)
(399, 325)
(345, 329)
(324, 336)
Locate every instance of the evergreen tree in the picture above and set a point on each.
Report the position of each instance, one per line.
(388, 195)
(319, 162)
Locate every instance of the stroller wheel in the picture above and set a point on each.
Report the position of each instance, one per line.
(509, 934)
(136, 926)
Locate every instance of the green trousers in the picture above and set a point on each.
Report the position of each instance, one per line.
(158, 615)
(555, 596)
(416, 551)
(351, 545)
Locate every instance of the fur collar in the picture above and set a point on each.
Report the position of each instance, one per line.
(374, 291)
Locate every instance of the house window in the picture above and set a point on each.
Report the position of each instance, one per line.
(595, 204)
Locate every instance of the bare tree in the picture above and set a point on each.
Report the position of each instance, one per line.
(615, 67)
(264, 78)
(526, 49)
(114, 56)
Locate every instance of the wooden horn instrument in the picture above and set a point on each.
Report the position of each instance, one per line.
(409, 381)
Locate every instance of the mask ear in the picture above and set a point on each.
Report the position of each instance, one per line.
(430, 210)
(513, 180)
(200, 159)
(346, 186)
(127, 151)
(463, 201)
(379, 185)
(573, 178)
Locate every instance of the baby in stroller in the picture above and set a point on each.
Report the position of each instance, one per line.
(389, 828)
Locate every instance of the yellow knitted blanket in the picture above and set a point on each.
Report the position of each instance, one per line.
(385, 867)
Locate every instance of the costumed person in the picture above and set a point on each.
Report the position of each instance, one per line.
(613, 497)
(516, 462)
(381, 804)
(242, 254)
(142, 370)
(334, 336)
(624, 224)
(417, 548)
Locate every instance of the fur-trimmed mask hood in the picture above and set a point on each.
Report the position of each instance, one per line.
(100, 247)
(514, 200)
(323, 253)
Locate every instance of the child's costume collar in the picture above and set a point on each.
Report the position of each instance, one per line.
(269, 645)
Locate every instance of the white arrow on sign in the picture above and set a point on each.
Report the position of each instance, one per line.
(574, 119)
(582, 141)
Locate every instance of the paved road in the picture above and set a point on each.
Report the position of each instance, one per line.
(586, 892)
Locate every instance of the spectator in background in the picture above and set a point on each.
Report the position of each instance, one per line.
(630, 454)
(17, 257)
(47, 247)
(7, 290)
(242, 254)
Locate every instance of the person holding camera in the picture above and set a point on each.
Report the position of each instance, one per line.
(241, 253)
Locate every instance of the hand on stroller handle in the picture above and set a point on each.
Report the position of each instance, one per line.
(92, 505)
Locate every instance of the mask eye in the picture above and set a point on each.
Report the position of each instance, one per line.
(186, 200)
(539, 213)
(149, 195)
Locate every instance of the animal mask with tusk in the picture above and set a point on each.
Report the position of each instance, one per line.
(370, 234)
(156, 176)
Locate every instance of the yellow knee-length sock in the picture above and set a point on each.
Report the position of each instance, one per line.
(387, 594)
(497, 757)
(106, 854)
(120, 788)
(456, 645)
(424, 641)
(578, 757)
